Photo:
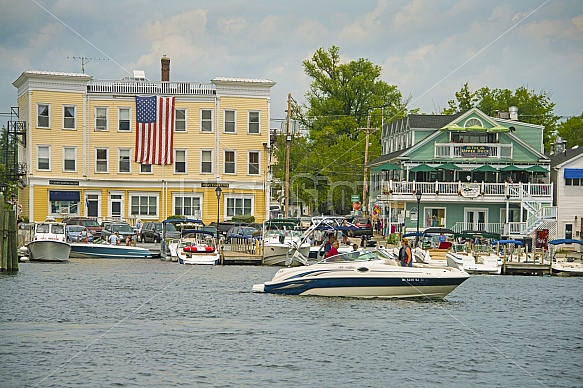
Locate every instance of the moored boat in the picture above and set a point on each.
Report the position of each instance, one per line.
(568, 266)
(49, 242)
(197, 247)
(364, 274)
(108, 251)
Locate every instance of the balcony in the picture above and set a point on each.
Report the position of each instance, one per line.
(473, 150)
(133, 87)
(456, 191)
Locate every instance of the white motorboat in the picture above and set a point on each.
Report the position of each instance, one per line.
(482, 261)
(364, 274)
(49, 242)
(107, 251)
(197, 247)
(279, 244)
(567, 266)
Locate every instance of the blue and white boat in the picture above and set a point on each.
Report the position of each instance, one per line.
(364, 274)
(569, 265)
(108, 251)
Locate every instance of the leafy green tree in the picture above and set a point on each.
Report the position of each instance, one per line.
(571, 131)
(533, 108)
(344, 98)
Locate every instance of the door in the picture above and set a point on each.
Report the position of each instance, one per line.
(476, 219)
(116, 205)
(92, 203)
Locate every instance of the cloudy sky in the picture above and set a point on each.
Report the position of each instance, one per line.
(427, 48)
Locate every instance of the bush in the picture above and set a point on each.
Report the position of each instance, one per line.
(247, 218)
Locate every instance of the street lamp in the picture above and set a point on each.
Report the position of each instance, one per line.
(418, 195)
(218, 191)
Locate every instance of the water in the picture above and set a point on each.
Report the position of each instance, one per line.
(148, 323)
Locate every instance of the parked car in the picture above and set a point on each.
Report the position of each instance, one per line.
(74, 233)
(90, 223)
(123, 228)
(152, 232)
(224, 227)
(364, 224)
(242, 232)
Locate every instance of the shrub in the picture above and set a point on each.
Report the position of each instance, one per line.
(247, 218)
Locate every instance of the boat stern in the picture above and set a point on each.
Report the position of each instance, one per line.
(259, 288)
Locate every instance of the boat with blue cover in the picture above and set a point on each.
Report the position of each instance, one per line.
(108, 251)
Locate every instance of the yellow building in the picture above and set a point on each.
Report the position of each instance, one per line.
(81, 143)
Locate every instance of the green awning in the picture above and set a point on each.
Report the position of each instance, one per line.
(452, 127)
(536, 169)
(510, 168)
(386, 167)
(498, 129)
(449, 166)
(423, 168)
(485, 168)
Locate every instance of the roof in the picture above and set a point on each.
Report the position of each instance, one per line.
(431, 121)
(245, 80)
(570, 153)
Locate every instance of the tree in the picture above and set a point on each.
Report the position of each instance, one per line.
(533, 108)
(572, 131)
(342, 100)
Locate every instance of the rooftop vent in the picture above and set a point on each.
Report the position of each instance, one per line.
(140, 75)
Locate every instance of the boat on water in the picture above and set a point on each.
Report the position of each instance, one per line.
(169, 243)
(568, 266)
(197, 247)
(280, 238)
(364, 274)
(479, 260)
(49, 242)
(107, 251)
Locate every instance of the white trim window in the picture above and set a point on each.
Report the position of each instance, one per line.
(206, 120)
(188, 206)
(146, 168)
(230, 166)
(101, 119)
(206, 161)
(230, 121)
(124, 157)
(101, 160)
(43, 115)
(43, 157)
(434, 217)
(180, 120)
(253, 122)
(239, 206)
(144, 205)
(69, 159)
(253, 157)
(180, 161)
(124, 120)
(69, 121)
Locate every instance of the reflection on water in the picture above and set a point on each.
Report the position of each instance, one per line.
(143, 323)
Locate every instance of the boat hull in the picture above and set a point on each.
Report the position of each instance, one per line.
(49, 250)
(567, 269)
(105, 251)
(366, 282)
(277, 254)
(199, 259)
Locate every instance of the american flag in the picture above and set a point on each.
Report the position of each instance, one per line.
(154, 130)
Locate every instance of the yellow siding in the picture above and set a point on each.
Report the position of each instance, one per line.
(41, 204)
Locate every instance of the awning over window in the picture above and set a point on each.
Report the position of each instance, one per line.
(573, 173)
(61, 195)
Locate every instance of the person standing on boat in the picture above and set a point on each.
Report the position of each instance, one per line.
(405, 254)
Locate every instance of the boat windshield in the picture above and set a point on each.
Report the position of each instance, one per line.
(58, 229)
(351, 257)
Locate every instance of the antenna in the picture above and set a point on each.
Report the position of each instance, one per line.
(85, 60)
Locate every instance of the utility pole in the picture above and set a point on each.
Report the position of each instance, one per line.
(287, 152)
(364, 178)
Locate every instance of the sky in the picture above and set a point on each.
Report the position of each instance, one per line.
(427, 49)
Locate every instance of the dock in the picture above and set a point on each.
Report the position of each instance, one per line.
(513, 268)
(240, 258)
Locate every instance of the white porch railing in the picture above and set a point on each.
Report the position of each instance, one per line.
(147, 87)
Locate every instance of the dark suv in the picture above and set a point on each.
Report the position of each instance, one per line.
(152, 232)
(91, 224)
(123, 228)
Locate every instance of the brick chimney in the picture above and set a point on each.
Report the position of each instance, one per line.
(165, 61)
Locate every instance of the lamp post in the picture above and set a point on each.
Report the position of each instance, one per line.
(418, 196)
(218, 191)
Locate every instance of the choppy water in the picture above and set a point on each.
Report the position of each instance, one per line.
(148, 323)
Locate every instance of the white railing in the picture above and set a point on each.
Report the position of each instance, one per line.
(146, 87)
(524, 191)
(461, 150)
